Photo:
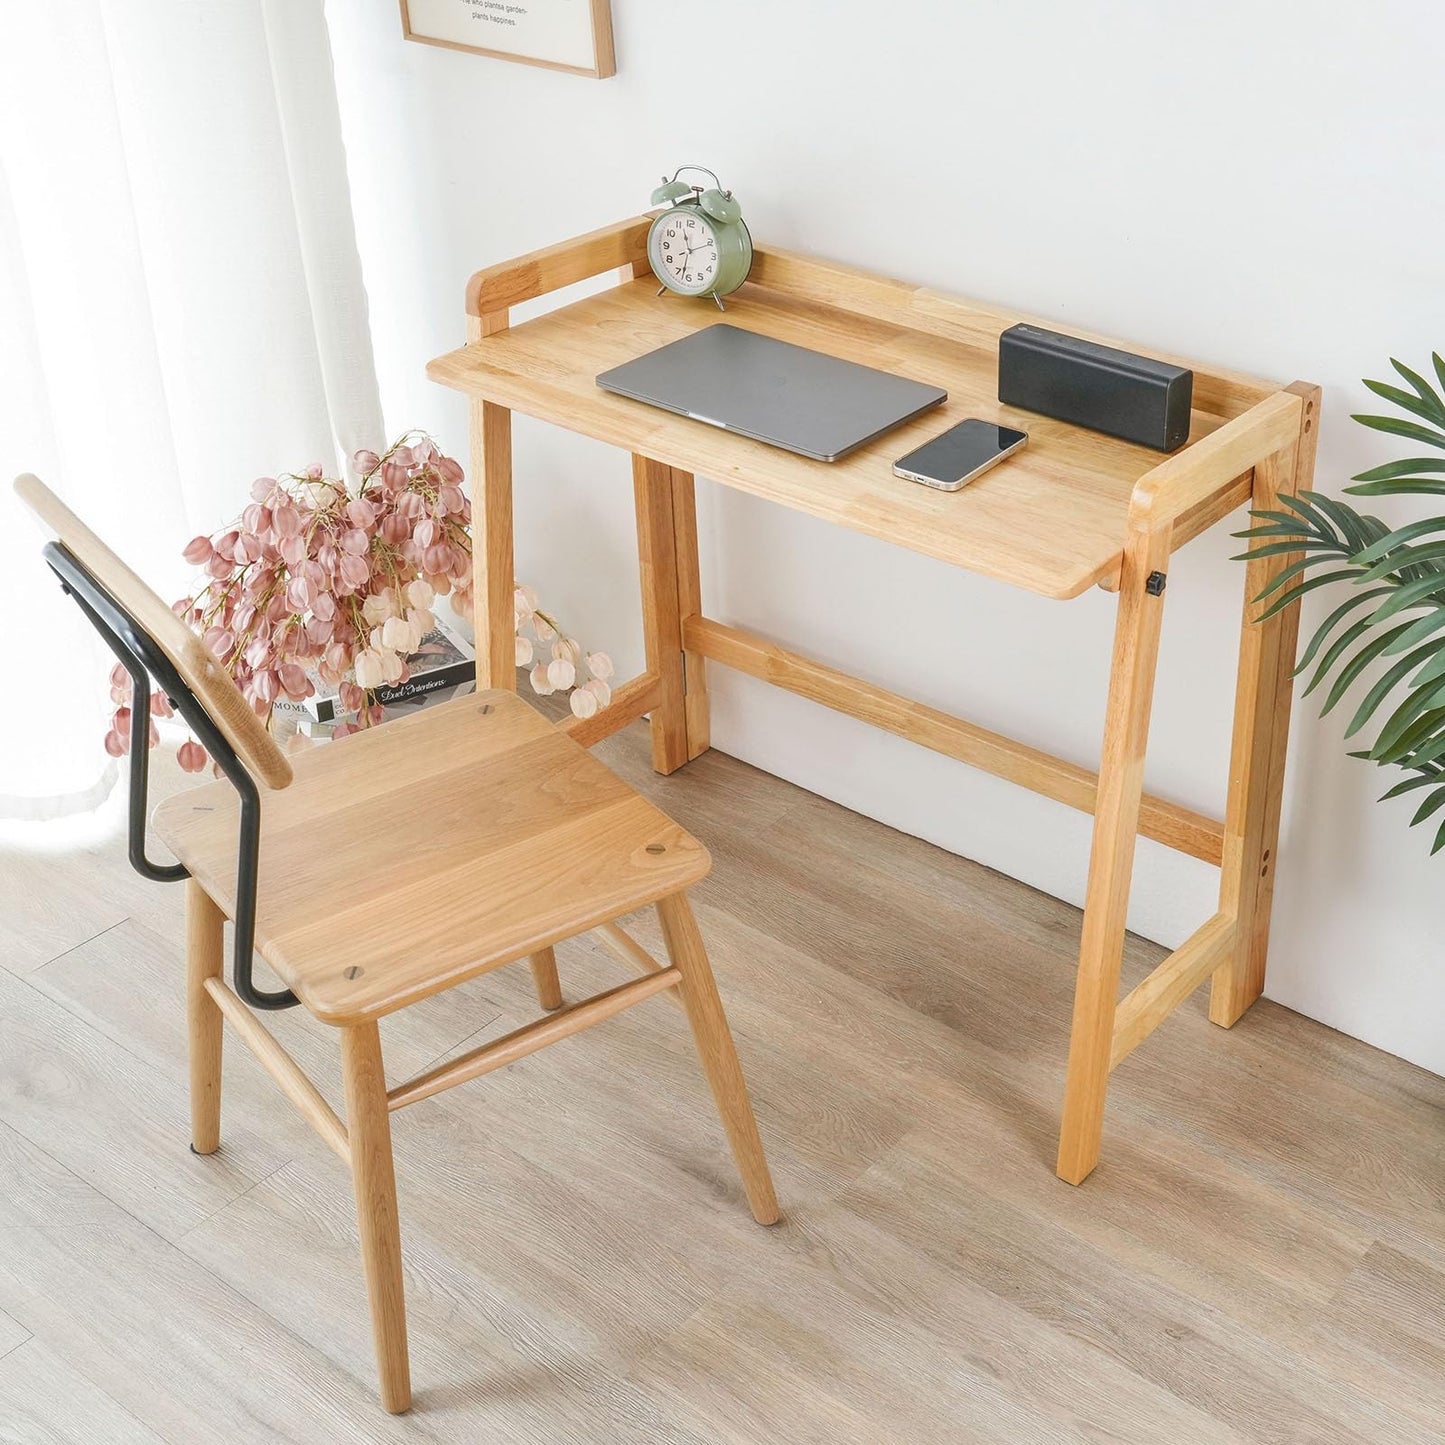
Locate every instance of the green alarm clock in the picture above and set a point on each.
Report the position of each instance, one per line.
(699, 246)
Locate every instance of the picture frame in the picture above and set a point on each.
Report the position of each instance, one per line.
(574, 36)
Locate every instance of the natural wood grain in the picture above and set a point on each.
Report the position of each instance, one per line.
(1261, 1260)
(530, 1038)
(374, 1182)
(1075, 509)
(213, 686)
(689, 605)
(1190, 479)
(493, 584)
(1052, 521)
(509, 283)
(1111, 856)
(205, 960)
(716, 1052)
(544, 975)
(466, 836)
(661, 623)
(965, 321)
(630, 701)
(1151, 1001)
(283, 1068)
(622, 945)
(1065, 782)
(1263, 693)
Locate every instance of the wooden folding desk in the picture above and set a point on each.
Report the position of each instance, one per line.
(1073, 511)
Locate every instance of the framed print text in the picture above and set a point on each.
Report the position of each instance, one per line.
(572, 35)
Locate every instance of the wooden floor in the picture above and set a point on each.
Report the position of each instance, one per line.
(1260, 1257)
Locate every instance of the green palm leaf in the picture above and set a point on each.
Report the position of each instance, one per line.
(1405, 467)
(1384, 684)
(1355, 599)
(1392, 616)
(1396, 427)
(1399, 537)
(1356, 665)
(1420, 486)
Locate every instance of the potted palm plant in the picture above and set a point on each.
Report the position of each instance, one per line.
(1391, 586)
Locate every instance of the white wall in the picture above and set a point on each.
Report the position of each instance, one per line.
(1257, 185)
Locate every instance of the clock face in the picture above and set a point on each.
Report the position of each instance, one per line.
(685, 252)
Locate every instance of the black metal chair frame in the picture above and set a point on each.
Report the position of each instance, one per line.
(144, 660)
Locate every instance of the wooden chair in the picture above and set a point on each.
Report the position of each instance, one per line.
(467, 837)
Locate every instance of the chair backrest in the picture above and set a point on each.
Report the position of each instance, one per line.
(212, 685)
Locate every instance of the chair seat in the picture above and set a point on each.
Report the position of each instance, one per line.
(406, 859)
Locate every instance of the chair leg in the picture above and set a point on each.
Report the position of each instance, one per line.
(205, 944)
(716, 1051)
(374, 1180)
(544, 973)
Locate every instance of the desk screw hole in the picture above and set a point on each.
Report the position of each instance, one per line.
(656, 848)
(485, 708)
(352, 972)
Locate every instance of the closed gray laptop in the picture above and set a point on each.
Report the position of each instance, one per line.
(773, 391)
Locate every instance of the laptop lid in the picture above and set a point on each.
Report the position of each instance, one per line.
(801, 400)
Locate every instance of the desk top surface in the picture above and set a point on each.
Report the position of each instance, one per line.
(1052, 519)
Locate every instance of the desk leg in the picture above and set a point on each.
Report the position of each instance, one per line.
(1261, 734)
(493, 583)
(661, 615)
(689, 604)
(1111, 859)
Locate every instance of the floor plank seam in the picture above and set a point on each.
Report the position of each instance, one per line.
(235, 1198)
(465, 1039)
(30, 973)
(19, 1344)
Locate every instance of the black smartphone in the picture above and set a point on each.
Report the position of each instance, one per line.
(955, 458)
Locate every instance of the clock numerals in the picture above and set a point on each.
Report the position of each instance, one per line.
(687, 252)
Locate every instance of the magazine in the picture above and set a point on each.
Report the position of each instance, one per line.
(445, 659)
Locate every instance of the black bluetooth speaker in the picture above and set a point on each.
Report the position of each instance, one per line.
(1107, 390)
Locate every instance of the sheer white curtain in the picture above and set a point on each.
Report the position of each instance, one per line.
(181, 310)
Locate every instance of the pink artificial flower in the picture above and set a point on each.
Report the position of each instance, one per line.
(294, 682)
(361, 513)
(198, 551)
(286, 520)
(354, 569)
(219, 641)
(191, 756)
(365, 462)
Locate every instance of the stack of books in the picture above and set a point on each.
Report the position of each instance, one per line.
(443, 667)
